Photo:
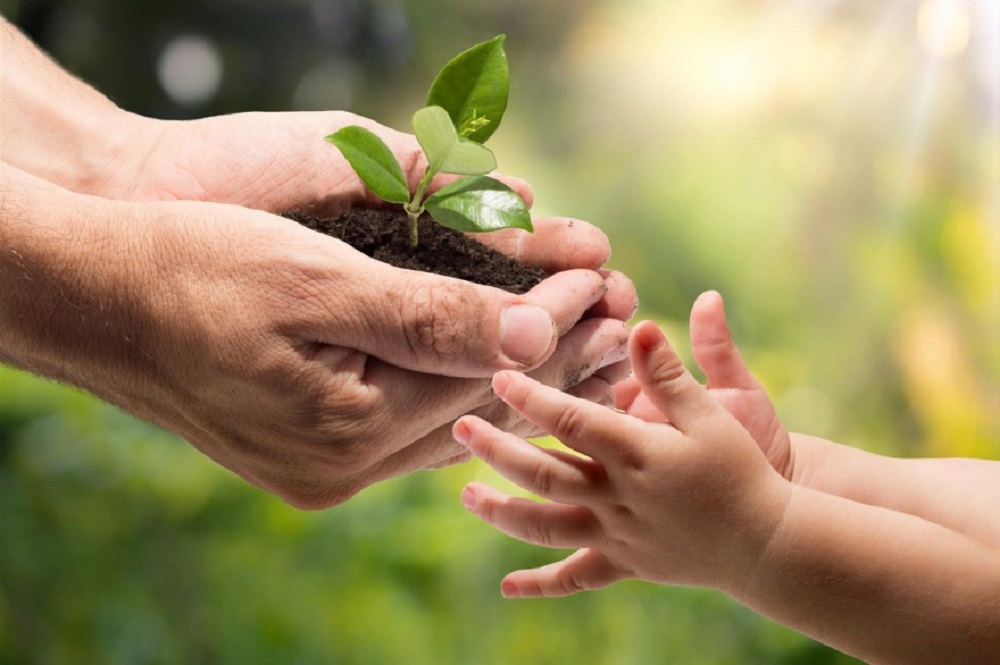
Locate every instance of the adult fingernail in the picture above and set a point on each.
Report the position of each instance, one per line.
(526, 333)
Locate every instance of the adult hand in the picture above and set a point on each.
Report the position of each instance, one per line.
(284, 355)
(269, 161)
(280, 162)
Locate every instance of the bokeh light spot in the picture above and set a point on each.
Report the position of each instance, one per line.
(190, 70)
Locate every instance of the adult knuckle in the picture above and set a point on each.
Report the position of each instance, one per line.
(437, 318)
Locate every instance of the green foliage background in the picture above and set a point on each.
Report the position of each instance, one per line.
(826, 169)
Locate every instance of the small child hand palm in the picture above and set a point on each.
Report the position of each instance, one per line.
(690, 501)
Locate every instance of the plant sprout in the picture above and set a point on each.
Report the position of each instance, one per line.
(463, 109)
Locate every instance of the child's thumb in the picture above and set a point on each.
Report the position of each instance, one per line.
(713, 348)
(664, 379)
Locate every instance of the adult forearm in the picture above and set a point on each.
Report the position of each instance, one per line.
(56, 127)
(881, 585)
(960, 494)
(65, 304)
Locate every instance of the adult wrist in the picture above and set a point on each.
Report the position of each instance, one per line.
(59, 129)
(96, 149)
(58, 276)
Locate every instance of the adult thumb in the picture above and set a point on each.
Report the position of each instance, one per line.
(440, 325)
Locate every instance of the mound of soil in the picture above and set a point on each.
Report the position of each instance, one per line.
(384, 234)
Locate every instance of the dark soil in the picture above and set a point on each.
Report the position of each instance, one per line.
(384, 234)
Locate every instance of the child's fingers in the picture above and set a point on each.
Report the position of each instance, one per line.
(665, 381)
(593, 430)
(630, 399)
(594, 389)
(626, 391)
(545, 524)
(713, 348)
(583, 570)
(533, 468)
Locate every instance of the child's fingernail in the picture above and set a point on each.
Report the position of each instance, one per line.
(469, 499)
(462, 432)
(648, 336)
(500, 382)
(509, 590)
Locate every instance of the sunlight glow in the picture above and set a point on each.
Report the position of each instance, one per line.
(944, 26)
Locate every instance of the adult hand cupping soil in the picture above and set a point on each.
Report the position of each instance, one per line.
(284, 355)
(278, 162)
(303, 366)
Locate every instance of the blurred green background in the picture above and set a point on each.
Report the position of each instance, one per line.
(831, 166)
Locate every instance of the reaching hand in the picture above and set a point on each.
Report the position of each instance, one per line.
(690, 502)
(729, 381)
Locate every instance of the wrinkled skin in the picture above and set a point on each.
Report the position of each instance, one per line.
(291, 359)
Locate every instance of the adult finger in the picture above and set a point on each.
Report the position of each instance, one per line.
(433, 401)
(588, 428)
(422, 401)
(524, 464)
(546, 524)
(557, 243)
(590, 346)
(665, 380)
(713, 348)
(567, 295)
(584, 570)
(621, 300)
(615, 372)
(446, 326)
(593, 389)
(425, 322)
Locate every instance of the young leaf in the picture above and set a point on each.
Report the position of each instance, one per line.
(473, 89)
(478, 204)
(373, 161)
(446, 152)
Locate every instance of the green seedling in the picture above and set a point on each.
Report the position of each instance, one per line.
(463, 109)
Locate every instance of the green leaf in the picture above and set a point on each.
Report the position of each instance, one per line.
(445, 150)
(478, 204)
(473, 89)
(373, 161)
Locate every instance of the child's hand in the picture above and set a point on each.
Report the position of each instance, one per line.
(693, 502)
(729, 381)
